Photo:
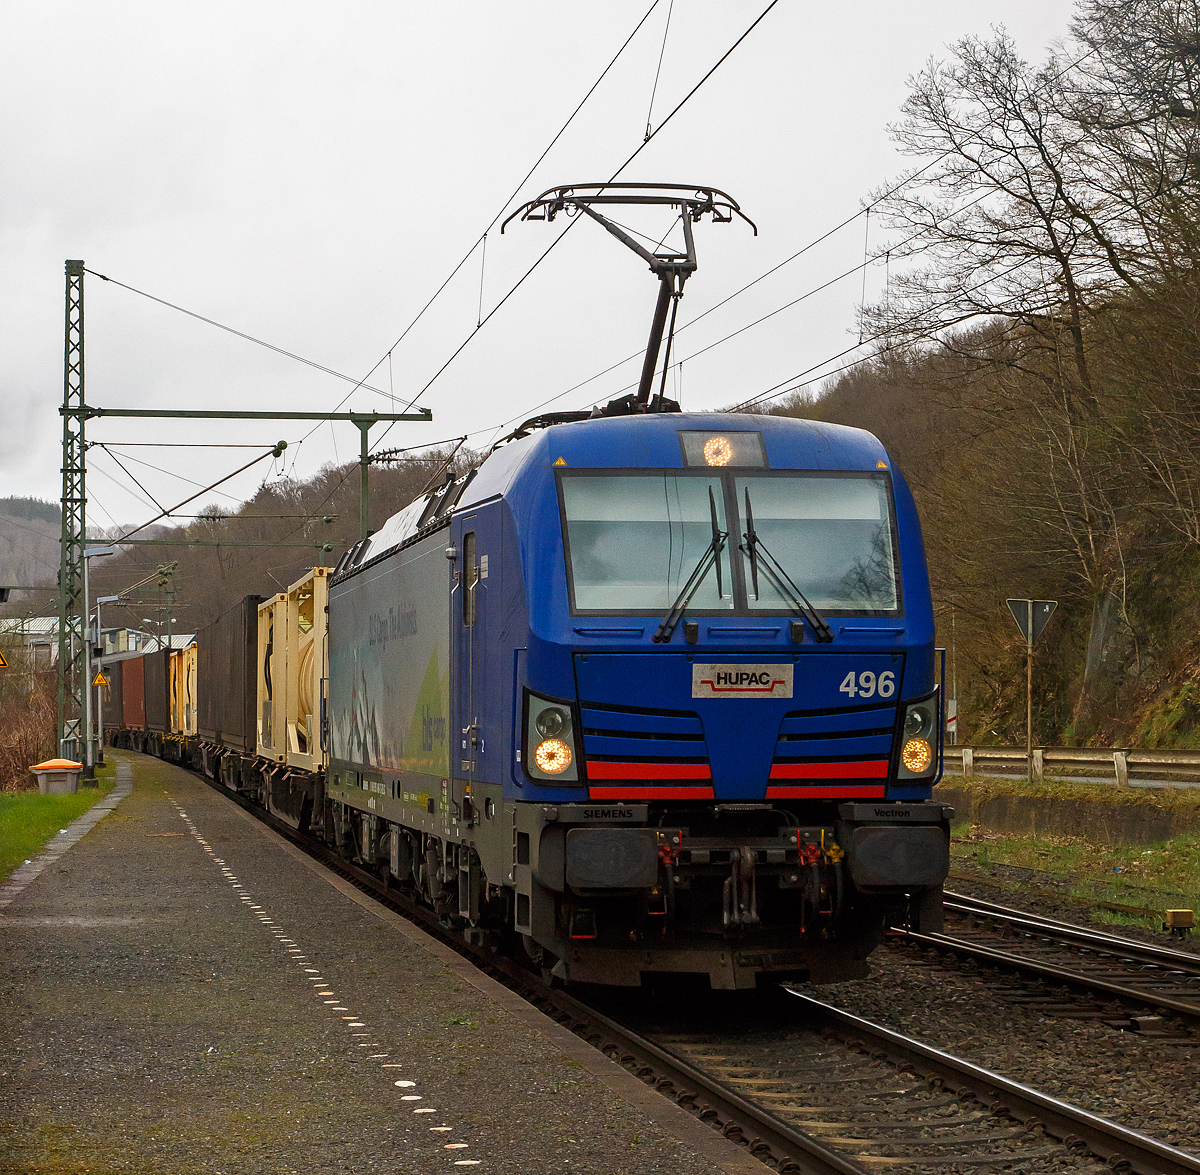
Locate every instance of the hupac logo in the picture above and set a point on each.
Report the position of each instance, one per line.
(742, 681)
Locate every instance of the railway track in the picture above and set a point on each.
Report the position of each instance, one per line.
(807, 1088)
(1132, 984)
(887, 1102)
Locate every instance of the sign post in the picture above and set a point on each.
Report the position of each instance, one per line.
(1031, 617)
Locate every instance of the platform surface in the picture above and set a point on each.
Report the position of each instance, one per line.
(183, 992)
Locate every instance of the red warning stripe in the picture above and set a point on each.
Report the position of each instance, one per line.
(598, 770)
(845, 791)
(871, 769)
(628, 792)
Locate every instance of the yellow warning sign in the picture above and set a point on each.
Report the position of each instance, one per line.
(560, 461)
(99, 679)
(880, 464)
(3, 662)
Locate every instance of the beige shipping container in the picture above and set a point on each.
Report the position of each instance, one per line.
(307, 668)
(272, 678)
(183, 690)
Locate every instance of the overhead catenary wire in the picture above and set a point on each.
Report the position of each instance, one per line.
(133, 479)
(122, 487)
(384, 454)
(781, 388)
(724, 339)
(166, 513)
(615, 175)
(864, 210)
(104, 446)
(537, 262)
(658, 71)
(997, 310)
(240, 333)
(503, 208)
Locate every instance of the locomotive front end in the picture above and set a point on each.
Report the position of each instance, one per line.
(726, 724)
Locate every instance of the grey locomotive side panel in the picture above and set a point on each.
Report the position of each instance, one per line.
(389, 664)
(225, 652)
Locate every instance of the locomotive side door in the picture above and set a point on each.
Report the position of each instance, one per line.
(475, 622)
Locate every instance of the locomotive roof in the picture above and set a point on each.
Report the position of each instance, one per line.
(652, 442)
(620, 442)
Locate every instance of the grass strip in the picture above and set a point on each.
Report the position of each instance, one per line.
(985, 787)
(1124, 883)
(28, 820)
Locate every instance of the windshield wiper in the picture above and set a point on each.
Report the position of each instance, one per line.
(710, 558)
(753, 548)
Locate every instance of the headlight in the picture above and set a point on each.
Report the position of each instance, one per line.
(918, 753)
(718, 451)
(550, 749)
(553, 756)
(919, 720)
(552, 722)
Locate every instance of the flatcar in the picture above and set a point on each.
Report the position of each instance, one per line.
(642, 694)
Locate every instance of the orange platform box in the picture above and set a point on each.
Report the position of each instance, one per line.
(57, 776)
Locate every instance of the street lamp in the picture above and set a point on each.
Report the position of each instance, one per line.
(89, 553)
(157, 631)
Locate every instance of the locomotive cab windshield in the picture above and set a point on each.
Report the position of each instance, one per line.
(634, 538)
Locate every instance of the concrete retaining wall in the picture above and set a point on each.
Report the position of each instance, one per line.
(1101, 823)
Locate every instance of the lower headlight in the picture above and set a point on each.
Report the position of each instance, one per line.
(916, 755)
(552, 756)
(919, 740)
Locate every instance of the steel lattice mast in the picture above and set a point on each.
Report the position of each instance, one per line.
(72, 623)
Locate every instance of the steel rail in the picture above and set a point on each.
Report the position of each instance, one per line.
(1093, 939)
(1070, 1124)
(1063, 975)
(777, 1135)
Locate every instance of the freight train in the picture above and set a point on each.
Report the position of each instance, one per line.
(642, 693)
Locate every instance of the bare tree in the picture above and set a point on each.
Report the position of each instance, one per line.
(1135, 95)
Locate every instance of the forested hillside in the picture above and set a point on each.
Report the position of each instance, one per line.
(1036, 372)
(29, 532)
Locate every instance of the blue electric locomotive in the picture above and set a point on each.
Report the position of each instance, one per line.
(648, 693)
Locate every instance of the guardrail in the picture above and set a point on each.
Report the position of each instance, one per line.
(1124, 766)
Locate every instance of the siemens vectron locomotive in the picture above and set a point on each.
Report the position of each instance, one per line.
(640, 694)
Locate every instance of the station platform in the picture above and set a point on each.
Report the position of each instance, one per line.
(183, 991)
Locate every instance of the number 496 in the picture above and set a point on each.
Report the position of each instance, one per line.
(867, 685)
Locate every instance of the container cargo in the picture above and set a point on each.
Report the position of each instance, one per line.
(271, 676)
(225, 672)
(307, 658)
(133, 693)
(157, 691)
(183, 691)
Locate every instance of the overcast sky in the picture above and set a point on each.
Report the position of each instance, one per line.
(310, 173)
